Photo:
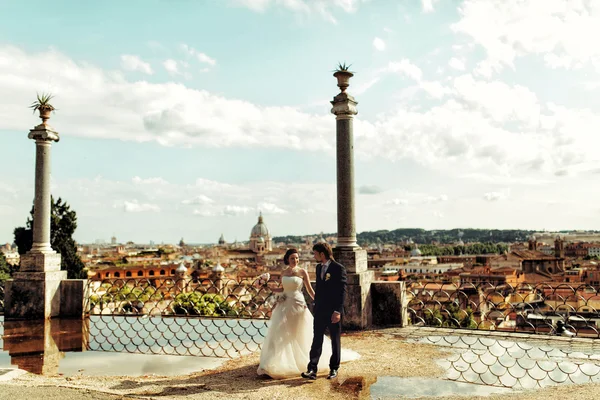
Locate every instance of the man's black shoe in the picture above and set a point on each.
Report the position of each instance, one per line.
(310, 374)
(332, 374)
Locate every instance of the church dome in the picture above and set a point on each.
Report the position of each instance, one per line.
(218, 268)
(181, 269)
(260, 229)
(415, 252)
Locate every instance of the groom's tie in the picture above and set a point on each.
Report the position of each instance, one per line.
(323, 270)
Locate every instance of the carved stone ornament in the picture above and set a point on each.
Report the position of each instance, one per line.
(43, 132)
(344, 105)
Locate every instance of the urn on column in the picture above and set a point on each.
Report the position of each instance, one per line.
(343, 76)
(42, 104)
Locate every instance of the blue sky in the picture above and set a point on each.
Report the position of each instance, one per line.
(187, 118)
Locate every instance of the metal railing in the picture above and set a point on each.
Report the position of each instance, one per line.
(544, 308)
(1, 298)
(206, 317)
(516, 362)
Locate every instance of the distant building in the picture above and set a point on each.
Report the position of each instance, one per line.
(12, 257)
(260, 239)
(594, 250)
(577, 250)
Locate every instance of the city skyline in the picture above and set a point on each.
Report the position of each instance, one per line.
(192, 126)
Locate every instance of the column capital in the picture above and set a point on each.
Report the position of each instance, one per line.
(344, 106)
(44, 132)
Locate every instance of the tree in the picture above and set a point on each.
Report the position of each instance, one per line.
(6, 270)
(62, 227)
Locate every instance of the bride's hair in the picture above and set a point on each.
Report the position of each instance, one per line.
(288, 253)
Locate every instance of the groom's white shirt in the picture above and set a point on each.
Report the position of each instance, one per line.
(324, 268)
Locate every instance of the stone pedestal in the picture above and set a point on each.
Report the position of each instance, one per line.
(33, 295)
(74, 298)
(40, 262)
(353, 258)
(357, 307)
(389, 303)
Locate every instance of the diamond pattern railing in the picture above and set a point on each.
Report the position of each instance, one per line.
(545, 308)
(1, 298)
(208, 317)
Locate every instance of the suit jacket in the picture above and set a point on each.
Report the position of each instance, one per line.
(330, 292)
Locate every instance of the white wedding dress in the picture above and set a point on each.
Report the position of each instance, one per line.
(287, 344)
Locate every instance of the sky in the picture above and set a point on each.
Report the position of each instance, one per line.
(185, 119)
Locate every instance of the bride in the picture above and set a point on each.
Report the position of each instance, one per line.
(285, 350)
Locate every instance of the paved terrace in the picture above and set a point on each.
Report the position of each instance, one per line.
(416, 360)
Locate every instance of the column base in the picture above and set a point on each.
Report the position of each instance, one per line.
(389, 303)
(40, 262)
(358, 305)
(33, 295)
(353, 258)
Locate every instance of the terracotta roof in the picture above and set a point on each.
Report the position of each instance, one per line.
(532, 255)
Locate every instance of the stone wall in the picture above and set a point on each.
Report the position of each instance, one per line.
(389, 306)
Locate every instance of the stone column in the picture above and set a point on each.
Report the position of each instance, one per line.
(34, 293)
(358, 301)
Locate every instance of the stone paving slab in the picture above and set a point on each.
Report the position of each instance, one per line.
(7, 374)
(13, 392)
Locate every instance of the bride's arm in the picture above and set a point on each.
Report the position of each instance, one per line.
(307, 284)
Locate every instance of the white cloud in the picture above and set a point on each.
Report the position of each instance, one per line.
(495, 196)
(172, 67)
(304, 7)
(508, 103)
(167, 113)
(428, 5)
(504, 30)
(135, 63)
(204, 213)
(236, 210)
(435, 89)
(255, 5)
(270, 208)
(202, 57)
(457, 64)
(379, 44)
(362, 88)
(436, 199)
(149, 181)
(200, 199)
(205, 59)
(397, 202)
(134, 206)
(404, 67)
(369, 189)
(481, 125)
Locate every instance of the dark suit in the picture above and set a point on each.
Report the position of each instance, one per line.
(330, 293)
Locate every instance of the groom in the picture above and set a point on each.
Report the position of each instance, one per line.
(329, 305)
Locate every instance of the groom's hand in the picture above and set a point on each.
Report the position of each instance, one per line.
(335, 317)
